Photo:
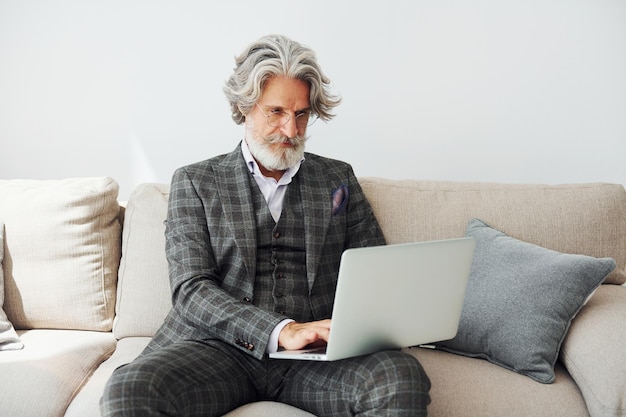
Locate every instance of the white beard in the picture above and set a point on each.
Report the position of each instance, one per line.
(261, 150)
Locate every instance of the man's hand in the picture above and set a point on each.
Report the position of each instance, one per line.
(300, 335)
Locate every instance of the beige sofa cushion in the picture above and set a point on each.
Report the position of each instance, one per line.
(463, 386)
(87, 401)
(586, 219)
(42, 379)
(268, 409)
(140, 312)
(63, 247)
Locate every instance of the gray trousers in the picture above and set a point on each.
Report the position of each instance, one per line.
(193, 378)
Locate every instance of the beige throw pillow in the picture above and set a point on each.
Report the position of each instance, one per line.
(8, 338)
(63, 242)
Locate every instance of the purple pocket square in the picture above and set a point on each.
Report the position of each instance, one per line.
(340, 199)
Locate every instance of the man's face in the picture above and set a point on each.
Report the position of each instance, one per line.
(276, 148)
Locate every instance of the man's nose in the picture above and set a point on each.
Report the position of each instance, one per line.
(290, 129)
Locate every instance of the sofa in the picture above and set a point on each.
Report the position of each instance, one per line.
(84, 287)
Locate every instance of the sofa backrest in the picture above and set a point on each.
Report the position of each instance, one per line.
(587, 219)
(62, 250)
(143, 294)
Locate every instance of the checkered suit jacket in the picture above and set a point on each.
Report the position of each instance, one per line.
(211, 248)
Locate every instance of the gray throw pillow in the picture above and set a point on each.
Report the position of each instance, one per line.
(520, 301)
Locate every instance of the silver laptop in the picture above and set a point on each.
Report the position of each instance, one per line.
(395, 296)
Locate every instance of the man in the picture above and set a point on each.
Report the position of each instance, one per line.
(254, 240)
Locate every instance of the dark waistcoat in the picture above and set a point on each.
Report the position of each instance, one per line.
(281, 280)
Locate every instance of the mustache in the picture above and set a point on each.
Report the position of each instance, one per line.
(278, 138)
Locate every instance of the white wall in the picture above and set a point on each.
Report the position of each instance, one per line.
(525, 91)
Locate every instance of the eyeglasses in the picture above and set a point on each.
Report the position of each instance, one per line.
(279, 118)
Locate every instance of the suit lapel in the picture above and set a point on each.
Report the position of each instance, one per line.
(313, 190)
(233, 181)
(234, 191)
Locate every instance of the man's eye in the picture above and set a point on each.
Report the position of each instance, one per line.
(276, 112)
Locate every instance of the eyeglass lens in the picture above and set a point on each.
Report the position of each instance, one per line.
(281, 118)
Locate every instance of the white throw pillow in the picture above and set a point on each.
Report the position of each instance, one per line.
(63, 240)
(8, 338)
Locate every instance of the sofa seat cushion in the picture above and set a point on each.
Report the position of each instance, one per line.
(463, 386)
(63, 243)
(42, 378)
(87, 401)
(268, 409)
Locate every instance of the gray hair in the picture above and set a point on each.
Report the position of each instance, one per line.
(277, 55)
